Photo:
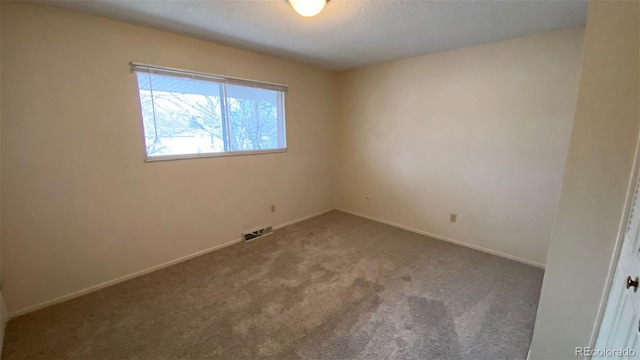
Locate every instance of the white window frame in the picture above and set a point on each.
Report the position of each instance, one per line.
(146, 68)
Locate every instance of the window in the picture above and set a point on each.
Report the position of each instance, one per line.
(188, 114)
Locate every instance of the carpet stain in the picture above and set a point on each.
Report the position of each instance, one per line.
(437, 335)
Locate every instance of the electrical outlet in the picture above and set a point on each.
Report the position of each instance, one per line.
(273, 208)
(453, 217)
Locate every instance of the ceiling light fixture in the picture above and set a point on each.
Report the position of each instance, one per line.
(308, 8)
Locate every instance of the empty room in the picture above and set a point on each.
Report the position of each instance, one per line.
(319, 179)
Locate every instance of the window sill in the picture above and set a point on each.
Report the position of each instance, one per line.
(211, 155)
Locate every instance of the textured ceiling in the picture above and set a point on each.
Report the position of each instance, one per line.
(347, 33)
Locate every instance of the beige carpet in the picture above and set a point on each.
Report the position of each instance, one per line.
(333, 287)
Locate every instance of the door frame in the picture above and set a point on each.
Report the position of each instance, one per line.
(615, 256)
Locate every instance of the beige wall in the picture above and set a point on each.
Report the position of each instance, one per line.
(598, 171)
(80, 207)
(482, 132)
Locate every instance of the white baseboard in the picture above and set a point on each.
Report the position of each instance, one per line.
(447, 239)
(119, 279)
(236, 241)
(144, 271)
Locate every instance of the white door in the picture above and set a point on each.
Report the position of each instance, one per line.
(620, 328)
